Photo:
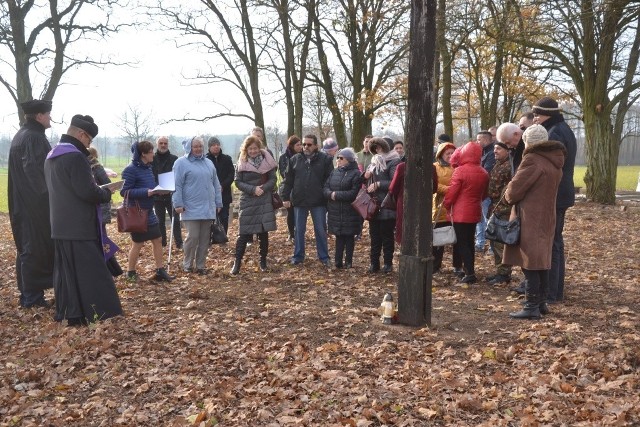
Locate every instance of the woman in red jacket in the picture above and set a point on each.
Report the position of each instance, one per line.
(467, 189)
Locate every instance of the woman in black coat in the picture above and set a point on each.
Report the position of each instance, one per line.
(341, 188)
(378, 176)
(256, 179)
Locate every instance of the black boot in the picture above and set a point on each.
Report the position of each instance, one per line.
(162, 275)
(241, 246)
(236, 266)
(264, 250)
(530, 310)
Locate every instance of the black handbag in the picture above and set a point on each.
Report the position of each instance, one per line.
(276, 201)
(389, 202)
(218, 235)
(503, 230)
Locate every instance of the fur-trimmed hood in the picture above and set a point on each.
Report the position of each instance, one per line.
(549, 150)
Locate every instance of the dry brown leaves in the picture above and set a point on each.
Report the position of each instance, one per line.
(305, 346)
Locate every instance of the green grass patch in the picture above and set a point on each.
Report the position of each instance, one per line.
(627, 178)
(4, 197)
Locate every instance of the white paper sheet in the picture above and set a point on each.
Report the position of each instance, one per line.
(166, 182)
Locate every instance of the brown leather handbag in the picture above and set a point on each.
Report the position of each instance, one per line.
(366, 205)
(131, 219)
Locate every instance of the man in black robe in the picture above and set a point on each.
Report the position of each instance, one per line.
(83, 286)
(29, 205)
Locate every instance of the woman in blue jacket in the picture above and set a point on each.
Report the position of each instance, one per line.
(138, 186)
(198, 198)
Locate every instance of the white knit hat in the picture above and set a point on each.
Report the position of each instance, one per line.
(535, 134)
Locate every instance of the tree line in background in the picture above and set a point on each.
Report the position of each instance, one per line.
(340, 65)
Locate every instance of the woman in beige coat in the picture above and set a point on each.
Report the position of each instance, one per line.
(444, 170)
(533, 192)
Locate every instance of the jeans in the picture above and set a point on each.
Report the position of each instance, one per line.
(482, 225)
(161, 207)
(318, 216)
(556, 274)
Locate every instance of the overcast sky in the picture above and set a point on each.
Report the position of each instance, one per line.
(155, 86)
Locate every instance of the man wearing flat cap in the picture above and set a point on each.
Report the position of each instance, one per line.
(547, 113)
(29, 204)
(83, 285)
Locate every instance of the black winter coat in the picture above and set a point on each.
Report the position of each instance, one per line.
(304, 180)
(343, 220)
(73, 195)
(162, 163)
(384, 178)
(560, 131)
(226, 173)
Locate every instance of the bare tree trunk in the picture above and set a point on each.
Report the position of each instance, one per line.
(416, 262)
(445, 61)
(601, 152)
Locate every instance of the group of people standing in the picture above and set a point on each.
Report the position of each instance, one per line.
(55, 210)
(530, 176)
(55, 198)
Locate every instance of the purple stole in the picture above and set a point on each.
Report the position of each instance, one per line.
(109, 248)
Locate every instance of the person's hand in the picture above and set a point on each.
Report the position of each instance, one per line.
(259, 191)
(286, 204)
(149, 192)
(367, 175)
(372, 187)
(333, 195)
(179, 210)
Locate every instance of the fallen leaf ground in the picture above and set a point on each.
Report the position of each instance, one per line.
(305, 346)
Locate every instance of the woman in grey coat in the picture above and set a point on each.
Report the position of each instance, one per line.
(256, 179)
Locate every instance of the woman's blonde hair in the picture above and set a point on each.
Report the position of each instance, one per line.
(248, 141)
(93, 153)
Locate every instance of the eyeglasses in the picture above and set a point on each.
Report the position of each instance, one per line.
(307, 145)
(340, 158)
(88, 136)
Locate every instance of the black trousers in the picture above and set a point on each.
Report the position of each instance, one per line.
(291, 222)
(381, 233)
(161, 208)
(344, 244)
(223, 216)
(465, 245)
(438, 253)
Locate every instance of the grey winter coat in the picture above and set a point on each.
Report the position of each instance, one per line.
(343, 220)
(256, 212)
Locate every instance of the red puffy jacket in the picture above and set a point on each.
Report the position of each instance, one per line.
(468, 186)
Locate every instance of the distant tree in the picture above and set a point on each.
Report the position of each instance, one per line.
(226, 29)
(36, 39)
(364, 40)
(595, 46)
(135, 124)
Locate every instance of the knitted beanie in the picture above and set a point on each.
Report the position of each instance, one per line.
(535, 134)
(546, 106)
